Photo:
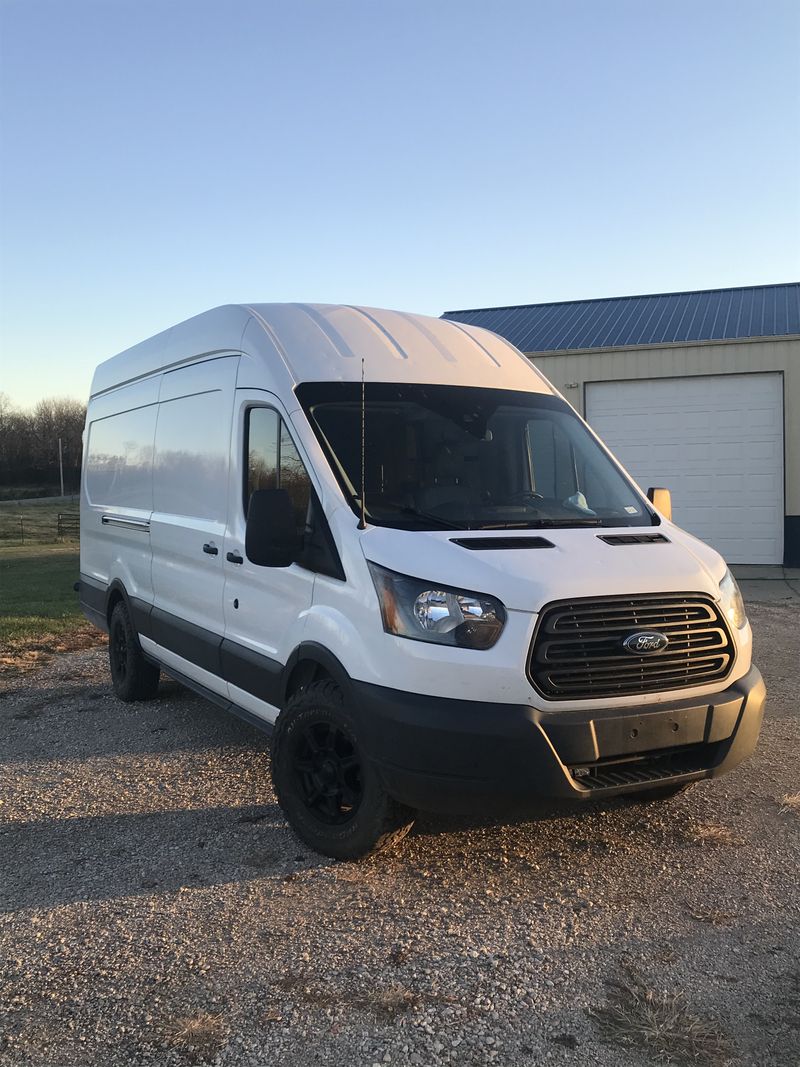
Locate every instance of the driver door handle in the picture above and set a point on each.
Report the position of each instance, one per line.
(233, 557)
(210, 549)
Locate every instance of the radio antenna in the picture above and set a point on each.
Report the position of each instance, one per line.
(362, 522)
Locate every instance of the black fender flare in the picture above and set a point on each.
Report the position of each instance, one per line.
(138, 610)
(97, 599)
(318, 655)
(113, 593)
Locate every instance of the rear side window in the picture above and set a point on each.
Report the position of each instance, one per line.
(273, 462)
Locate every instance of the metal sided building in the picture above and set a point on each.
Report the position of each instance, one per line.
(695, 391)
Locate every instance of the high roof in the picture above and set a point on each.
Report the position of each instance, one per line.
(657, 319)
(291, 343)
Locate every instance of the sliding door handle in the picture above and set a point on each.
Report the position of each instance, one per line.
(233, 557)
(210, 549)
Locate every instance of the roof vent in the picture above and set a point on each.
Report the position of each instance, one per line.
(496, 544)
(634, 539)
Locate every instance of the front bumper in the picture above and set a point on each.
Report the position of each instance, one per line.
(448, 755)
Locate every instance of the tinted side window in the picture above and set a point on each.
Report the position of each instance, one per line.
(273, 462)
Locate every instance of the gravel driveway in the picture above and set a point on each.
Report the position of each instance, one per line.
(154, 907)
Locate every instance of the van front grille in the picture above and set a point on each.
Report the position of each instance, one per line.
(578, 648)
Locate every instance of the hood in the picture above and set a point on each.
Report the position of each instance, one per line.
(579, 564)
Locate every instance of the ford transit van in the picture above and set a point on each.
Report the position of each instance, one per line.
(386, 539)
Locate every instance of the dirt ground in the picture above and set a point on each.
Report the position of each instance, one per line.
(155, 908)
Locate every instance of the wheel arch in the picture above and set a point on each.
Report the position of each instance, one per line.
(116, 593)
(138, 612)
(311, 662)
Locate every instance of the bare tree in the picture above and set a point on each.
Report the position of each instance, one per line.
(57, 417)
(29, 441)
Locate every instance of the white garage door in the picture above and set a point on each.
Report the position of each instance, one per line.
(716, 443)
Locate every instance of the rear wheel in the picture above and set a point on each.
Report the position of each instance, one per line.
(132, 677)
(329, 791)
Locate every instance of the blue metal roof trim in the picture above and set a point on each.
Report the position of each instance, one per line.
(656, 319)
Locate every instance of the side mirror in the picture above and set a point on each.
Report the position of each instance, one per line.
(661, 501)
(271, 538)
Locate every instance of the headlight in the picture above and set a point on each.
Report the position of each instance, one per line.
(731, 601)
(426, 611)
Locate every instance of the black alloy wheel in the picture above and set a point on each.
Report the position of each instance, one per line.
(328, 772)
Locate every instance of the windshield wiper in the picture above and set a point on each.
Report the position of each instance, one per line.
(405, 509)
(528, 524)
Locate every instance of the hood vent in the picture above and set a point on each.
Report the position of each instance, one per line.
(495, 544)
(634, 539)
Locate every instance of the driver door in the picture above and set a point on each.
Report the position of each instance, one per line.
(264, 607)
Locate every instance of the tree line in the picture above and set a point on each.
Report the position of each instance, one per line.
(29, 445)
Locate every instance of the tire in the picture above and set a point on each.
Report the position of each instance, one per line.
(132, 677)
(329, 791)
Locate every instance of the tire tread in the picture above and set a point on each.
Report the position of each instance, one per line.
(394, 820)
(142, 680)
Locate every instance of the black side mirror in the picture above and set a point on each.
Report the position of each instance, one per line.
(661, 501)
(271, 538)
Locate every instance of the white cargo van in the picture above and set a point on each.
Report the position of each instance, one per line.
(388, 538)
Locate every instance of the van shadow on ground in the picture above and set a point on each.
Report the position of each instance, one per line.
(52, 862)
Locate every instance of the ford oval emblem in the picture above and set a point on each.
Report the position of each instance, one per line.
(645, 642)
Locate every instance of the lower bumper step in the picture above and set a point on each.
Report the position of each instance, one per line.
(657, 767)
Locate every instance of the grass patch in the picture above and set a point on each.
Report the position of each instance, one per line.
(199, 1037)
(791, 802)
(385, 1002)
(660, 1023)
(39, 613)
(37, 522)
(712, 833)
(394, 1000)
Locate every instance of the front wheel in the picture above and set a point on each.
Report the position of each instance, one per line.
(328, 789)
(132, 677)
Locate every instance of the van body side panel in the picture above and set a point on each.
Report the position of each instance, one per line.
(117, 489)
(188, 523)
(202, 337)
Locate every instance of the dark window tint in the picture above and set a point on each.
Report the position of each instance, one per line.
(274, 463)
(468, 458)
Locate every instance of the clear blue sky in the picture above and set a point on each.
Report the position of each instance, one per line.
(160, 157)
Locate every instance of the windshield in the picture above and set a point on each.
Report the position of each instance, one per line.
(443, 456)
